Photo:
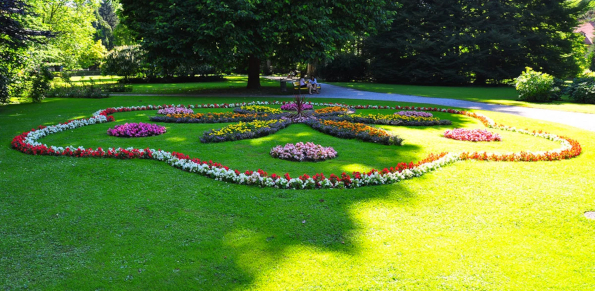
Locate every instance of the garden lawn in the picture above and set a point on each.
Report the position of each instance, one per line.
(496, 95)
(86, 223)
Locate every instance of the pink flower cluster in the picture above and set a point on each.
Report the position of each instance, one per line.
(472, 135)
(414, 113)
(136, 130)
(175, 110)
(293, 107)
(303, 152)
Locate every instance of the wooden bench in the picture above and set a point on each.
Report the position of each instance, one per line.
(296, 87)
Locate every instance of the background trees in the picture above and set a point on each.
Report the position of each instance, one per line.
(15, 39)
(226, 33)
(457, 42)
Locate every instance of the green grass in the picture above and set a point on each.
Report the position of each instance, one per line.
(233, 85)
(80, 224)
(495, 95)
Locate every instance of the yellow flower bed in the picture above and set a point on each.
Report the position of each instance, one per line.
(243, 127)
(258, 108)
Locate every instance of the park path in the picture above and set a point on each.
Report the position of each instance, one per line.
(576, 119)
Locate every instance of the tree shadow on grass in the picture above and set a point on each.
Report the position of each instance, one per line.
(196, 233)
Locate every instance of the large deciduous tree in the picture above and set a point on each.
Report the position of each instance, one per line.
(456, 41)
(222, 33)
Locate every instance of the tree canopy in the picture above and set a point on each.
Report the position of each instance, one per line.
(455, 41)
(222, 33)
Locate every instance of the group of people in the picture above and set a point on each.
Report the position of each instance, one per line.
(312, 85)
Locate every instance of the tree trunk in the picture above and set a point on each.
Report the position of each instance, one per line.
(311, 71)
(253, 72)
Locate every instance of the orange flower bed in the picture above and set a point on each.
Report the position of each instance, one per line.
(330, 110)
(356, 127)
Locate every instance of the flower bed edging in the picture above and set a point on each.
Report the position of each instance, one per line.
(27, 143)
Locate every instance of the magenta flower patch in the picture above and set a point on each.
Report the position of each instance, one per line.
(175, 110)
(303, 152)
(294, 107)
(472, 135)
(136, 130)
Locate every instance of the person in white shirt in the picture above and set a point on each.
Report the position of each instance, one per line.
(313, 85)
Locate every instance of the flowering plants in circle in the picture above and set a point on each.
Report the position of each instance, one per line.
(472, 135)
(136, 130)
(303, 152)
(28, 143)
(175, 110)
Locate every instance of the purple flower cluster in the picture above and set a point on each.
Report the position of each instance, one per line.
(303, 152)
(175, 110)
(414, 113)
(136, 130)
(293, 107)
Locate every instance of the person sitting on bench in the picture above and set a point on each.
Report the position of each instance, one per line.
(303, 83)
(313, 85)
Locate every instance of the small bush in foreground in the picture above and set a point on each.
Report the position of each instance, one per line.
(535, 86)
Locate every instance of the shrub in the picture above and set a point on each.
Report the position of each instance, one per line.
(123, 61)
(535, 86)
(582, 90)
(40, 83)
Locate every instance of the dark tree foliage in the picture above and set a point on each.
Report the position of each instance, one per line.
(12, 32)
(224, 33)
(344, 67)
(14, 37)
(106, 23)
(458, 42)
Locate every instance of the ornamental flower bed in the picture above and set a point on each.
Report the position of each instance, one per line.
(136, 130)
(258, 108)
(330, 110)
(349, 130)
(294, 107)
(415, 113)
(27, 142)
(472, 135)
(303, 152)
(175, 110)
(244, 130)
(212, 117)
(393, 119)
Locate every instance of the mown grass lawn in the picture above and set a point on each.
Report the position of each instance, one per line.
(84, 223)
(496, 95)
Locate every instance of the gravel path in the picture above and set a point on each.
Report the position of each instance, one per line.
(580, 120)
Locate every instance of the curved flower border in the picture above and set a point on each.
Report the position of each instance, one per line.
(27, 142)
